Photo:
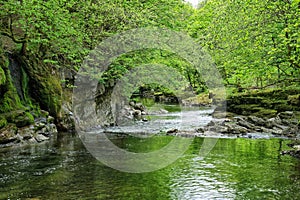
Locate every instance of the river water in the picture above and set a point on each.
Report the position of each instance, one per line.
(236, 168)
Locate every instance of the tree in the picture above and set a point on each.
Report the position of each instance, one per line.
(254, 43)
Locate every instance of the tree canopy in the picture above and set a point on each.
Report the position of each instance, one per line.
(254, 43)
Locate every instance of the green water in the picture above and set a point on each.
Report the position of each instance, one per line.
(234, 169)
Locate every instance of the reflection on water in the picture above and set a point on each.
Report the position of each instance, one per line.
(199, 182)
(235, 169)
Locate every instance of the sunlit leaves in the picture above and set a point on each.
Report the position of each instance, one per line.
(251, 39)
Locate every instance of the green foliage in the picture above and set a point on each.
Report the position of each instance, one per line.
(127, 62)
(3, 122)
(2, 76)
(19, 117)
(254, 43)
(48, 92)
(62, 32)
(9, 99)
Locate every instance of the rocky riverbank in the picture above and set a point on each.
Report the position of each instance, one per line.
(22, 129)
(284, 124)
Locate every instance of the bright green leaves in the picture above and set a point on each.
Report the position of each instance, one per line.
(251, 40)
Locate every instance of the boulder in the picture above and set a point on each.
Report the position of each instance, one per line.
(236, 129)
(40, 138)
(256, 120)
(286, 115)
(19, 117)
(242, 122)
(8, 134)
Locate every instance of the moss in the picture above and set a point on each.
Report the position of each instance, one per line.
(294, 99)
(2, 76)
(265, 102)
(29, 117)
(3, 122)
(285, 107)
(265, 113)
(45, 87)
(8, 134)
(9, 99)
(199, 99)
(244, 109)
(19, 117)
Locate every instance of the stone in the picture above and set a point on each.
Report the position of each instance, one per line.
(172, 131)
(266, 130)
(137, 113)
(26, 133)
(246, 124)
(297, 147)
(44, 113)
(222, 129)
(32, 140)
(50, 119)
(19, 117)
(286, 115)
(220, 114)
(276, 131)
(256, 120)
(200, 130)
(41, 138)
(131, 103)
(144, 119)
(8, 134)
(270, 123)
(139, 106)
(39, 125)
(52, 128)
(236, 129)
(291, 131)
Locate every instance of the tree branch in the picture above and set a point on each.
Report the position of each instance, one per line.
(11, 34)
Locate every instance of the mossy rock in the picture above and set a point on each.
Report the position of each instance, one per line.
(265, 102)
(19, 117)
(49, 95)
(251, 100)
(294, 99)
(3, 122)
(2, 76)
(265, 113)
(45, 87)
(10, 101)
(8, 134)
(244, 109)
(285, 107)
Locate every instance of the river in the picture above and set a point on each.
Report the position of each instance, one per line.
(236, 168)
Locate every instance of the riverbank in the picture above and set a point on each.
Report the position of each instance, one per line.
(22, 129)
(34, 104)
